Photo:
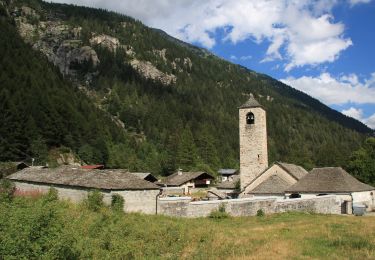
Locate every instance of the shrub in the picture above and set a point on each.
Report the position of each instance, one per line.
(7, 190)
(260, 213)
(95, 200)
(222, 207)
(117, 202)
(220, 213)
(52, 195)
(237, 186)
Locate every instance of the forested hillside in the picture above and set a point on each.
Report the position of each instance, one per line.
(131, 96)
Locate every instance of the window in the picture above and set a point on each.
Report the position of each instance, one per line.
(250, 118)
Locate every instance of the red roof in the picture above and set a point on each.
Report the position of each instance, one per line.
(90, 167)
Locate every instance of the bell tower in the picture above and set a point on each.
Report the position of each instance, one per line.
(253, 141)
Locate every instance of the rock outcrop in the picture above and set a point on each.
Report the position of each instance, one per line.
(105, 41)
(59, 42)
(149, 71)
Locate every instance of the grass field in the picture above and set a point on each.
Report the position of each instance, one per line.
(40, 228)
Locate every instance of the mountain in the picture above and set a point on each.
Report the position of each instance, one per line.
(117, 92)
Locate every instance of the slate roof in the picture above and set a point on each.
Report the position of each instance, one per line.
(177, 179)
(144, 175)
(273, 185)
(328, 180)
(250, 103)
(74, 176)
(141, 175)
(227, 171)
(212, 193)
(229, 184)
(295, 170)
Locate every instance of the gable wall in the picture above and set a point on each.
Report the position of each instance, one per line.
(273, 170)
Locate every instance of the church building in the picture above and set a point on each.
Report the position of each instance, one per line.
(285, 180)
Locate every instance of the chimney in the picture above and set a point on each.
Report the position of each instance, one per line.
(179, 172)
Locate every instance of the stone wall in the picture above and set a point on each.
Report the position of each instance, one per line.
(183, 207)
(139, 200)
(253, 145)
(135, 200)
(323, 205)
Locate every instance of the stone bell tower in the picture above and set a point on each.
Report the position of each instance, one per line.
(253, 141)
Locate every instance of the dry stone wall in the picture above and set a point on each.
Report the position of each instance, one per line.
(183, 207)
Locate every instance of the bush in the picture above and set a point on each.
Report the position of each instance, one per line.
(7, 190)
(95, 200)
(220, 213)
(117, 202)
(260, 213)
(52, 195)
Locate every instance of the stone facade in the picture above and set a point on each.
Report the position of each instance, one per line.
(253, 145)
(184, 207)
(135, 200)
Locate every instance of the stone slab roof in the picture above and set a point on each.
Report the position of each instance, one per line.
(295, 170)
(74, 176)
(250, 103)
(145, 176)
(229, 184)
(227, 171)
(328, 180)
(179, 178)
(273, 185)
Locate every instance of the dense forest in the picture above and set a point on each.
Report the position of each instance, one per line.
(112, 113)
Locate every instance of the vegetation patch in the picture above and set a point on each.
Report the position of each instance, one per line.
(45, 228)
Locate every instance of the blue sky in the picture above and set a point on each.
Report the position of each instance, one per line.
(324, 48)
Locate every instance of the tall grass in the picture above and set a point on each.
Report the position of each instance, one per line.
(41, 228)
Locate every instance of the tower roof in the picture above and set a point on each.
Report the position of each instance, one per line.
(250, 103)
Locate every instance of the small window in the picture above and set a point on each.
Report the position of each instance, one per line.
(250, 118)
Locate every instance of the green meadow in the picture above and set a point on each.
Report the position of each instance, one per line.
(45, 228)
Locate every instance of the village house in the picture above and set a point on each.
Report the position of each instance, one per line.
(188, 181)
(230, 187)
(227, 174)
(334, 181)
(74, 183)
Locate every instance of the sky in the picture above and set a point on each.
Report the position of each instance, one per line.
(325, 48)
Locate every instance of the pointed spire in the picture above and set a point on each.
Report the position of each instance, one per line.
(251, 103)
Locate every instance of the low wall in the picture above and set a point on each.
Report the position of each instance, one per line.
(184, 207)
(323, 205)
(135, 200)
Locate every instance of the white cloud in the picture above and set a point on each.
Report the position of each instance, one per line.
(300, 32)
(355, 2)
(371, 121)
(358, 114)
(248, 57)
(353, 112)
(233, 57)
(332, 90)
